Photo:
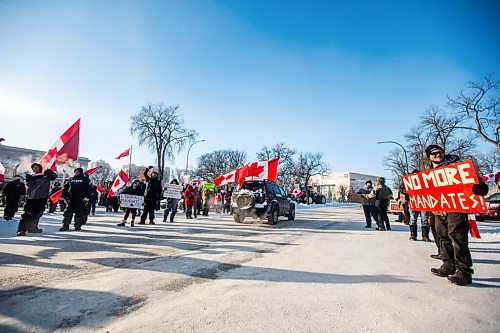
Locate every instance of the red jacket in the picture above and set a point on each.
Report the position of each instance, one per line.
(189, 196)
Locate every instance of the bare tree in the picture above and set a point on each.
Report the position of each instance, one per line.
(286, 166)
(488, 162)
(161, 129)
(479, 109)
(308, 165)
(219, 162)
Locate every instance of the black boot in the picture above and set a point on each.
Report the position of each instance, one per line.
(172, 217)
(425, 234)
(413, 232)
(443, 271)
(460, 278)
(165, 215)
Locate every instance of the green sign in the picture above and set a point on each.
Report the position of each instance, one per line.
(209, 186)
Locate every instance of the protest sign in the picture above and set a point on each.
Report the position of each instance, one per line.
(445, 189)
(131, 201)
(209, 186)
(173, 191)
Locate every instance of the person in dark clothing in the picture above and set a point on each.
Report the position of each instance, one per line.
(424, 218)
(382, 195)
(134, 189)
(404, 200)
(37, 194)
(453, 229)
(171, 205)
(77, 193)
(92, 200)
(12, 191)
(369, 205)
(227, 202)
(53, 206)
(151, 196)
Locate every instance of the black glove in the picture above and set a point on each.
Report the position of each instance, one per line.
(480, 189)
(150, 167)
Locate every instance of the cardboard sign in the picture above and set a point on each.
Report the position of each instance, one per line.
(445, 189)
(173, 191)
(209, 187)
(131, 201)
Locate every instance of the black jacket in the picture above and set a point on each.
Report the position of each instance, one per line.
(153, 189)
(39, 185)
(14, 189)
(77, 188)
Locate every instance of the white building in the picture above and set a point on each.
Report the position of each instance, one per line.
(337, 185)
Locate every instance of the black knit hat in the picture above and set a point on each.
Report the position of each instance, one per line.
(430, 148)
(36, 164)
(80, 170)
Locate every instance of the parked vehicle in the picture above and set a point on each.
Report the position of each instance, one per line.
(493, 205)
(314, 198)
(263, 200)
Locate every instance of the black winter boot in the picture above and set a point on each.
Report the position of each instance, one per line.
(425, 234)
(460, 278)
(413, 232)
(172, 217)
(443, 271)
(165, 215)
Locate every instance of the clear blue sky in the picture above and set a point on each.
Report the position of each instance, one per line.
(327, 76)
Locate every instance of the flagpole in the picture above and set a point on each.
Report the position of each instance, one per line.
(130, 164)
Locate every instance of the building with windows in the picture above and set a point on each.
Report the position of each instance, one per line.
(18, 160)
(336, 186)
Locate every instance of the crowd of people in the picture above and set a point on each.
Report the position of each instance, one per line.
(79, 199)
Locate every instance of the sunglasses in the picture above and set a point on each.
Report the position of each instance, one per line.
(436, 153)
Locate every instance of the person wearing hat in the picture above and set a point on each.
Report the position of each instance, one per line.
(382, 195)
(37, 193)
(55, 188)
(12, 191)
(134, 189)
(369, 204)
(171, 205)
(453, 229)
(152, 195)
(77, 194)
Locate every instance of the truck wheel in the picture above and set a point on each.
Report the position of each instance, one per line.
(323, 200)
(238, 218)
(291, 213)
(273, 217)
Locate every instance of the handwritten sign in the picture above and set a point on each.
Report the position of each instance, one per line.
(172, 191)
(445, 189)
(131, 201)
(209, 187)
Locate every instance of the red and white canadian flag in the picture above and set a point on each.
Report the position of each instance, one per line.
(2, 172)
(225, 179)
(493, 177)
(92, 170)
(120, 180)
(267, 170)
(65, 148)
(125, 153)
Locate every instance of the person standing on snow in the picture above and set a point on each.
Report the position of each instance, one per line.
(151, 196)
(12, 191)
(189, 200)
(77, 193)
(453, 229)
(382, 195)
(53, 206)
(134, 189)
(369, 204)
(37, 194)
(171, 205)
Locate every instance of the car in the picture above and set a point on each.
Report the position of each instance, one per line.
(493, 205)
(261, 199)
(314, 198)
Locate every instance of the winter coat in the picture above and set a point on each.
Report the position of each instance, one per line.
(366, 201)
(14, 189)
(189, 196)
(77, 189)
(153, 188)
(39, 185)
(139, 191)
(381, 192)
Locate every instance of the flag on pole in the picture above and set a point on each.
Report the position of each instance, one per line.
(493, 177)
(65, 148)
(266, 170)
(2, 172)
(225, 179)
(101, 189)
(120, 180)
(474, 231)
(125, 153)
(56, 196)
(92, 170)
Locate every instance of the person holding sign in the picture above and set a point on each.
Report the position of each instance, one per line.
(172, 199)
(453, 227)
(151, 195)
(382, 195)
(136, 190)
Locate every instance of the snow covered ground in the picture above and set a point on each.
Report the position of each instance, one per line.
(323, 272)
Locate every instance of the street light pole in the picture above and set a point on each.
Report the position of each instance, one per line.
(404, 151)
(187, 157)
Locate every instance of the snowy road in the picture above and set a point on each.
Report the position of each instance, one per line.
(323, 272)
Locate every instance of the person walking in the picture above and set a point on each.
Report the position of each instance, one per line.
(134, 189)
(12, 191)
(151, 196)
(453, 228)
(77, 193)
(368, 204)
(171, 205)
(37, 193)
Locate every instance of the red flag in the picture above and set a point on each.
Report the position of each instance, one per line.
(2, 172)
(125, 153)
(56, 196)
(65, 148)
(91, 171)
(101, 189)
(474, 231)
(120, 180)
